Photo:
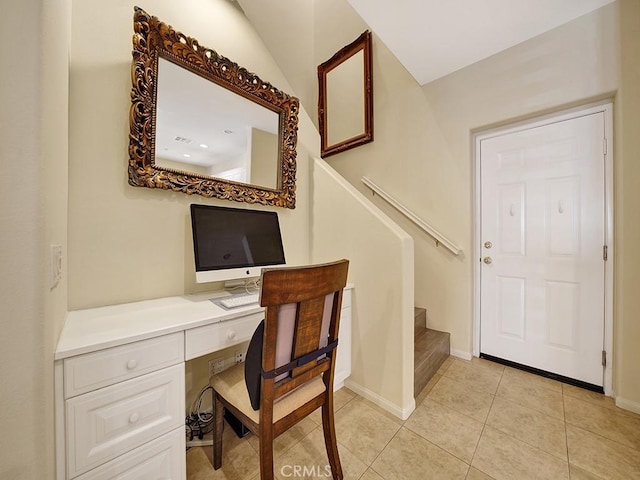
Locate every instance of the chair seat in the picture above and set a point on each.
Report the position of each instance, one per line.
(230, 385)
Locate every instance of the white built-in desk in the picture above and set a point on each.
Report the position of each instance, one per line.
(120, 383)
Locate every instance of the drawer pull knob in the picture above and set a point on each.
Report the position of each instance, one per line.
(231, 335)
(134, 417)
(131, 364)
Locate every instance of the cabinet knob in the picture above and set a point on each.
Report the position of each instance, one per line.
(231, 335)
(487, 260)
(134, 417)
(131, 364)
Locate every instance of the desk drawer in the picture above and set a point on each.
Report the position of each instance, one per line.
(88, 372)
(202, 340)
(111, 421)
(162, 458)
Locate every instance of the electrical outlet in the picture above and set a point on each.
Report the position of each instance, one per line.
(56, 265)
(239, 357)
(216, 366)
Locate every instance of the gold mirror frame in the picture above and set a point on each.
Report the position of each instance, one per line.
(153, 39)
(361, 44)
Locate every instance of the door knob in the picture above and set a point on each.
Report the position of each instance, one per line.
(487, 260)
(488, 244)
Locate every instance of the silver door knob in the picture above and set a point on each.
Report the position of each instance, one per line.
(487, 260)
(488, 244)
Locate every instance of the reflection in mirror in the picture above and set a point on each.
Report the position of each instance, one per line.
(200, 123)
(345, 98)
(206, 129)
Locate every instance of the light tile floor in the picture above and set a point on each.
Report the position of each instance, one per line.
(474, 420)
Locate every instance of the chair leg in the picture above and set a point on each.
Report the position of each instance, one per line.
(217, 432)
(266, 452)
(330, 442)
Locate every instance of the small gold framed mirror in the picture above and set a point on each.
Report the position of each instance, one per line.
(345, 98)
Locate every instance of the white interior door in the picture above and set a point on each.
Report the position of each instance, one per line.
(543, 226)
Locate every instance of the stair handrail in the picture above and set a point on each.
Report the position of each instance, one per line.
(433, 232)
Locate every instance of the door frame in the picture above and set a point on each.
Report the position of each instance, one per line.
(606, 107)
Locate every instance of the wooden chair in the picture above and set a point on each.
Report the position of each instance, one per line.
(301, 324)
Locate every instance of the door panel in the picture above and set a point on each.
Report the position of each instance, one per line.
(543, 212)
(511, 307)
(511, 219)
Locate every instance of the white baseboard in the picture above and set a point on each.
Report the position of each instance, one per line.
(402, 413)
(628, 404)
(460, 354)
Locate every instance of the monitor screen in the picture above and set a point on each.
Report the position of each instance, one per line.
(232, 243)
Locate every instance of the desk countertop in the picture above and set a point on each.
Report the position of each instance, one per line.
(103, 327)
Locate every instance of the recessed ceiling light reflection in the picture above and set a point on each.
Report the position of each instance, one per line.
(202, 145)
(186, 155)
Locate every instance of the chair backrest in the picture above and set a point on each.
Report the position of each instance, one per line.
(302, 320)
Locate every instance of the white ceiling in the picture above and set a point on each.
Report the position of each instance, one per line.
(433, 38)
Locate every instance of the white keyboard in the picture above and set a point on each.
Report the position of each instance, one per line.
(239, 300)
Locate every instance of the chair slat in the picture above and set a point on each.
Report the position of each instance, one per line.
(288, 384)
(306, 337)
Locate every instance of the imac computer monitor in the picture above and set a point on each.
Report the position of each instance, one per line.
(234, 243)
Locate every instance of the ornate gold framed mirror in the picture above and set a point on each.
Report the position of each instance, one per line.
(201, 124)
(345, 98)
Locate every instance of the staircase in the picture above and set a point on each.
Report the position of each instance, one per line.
(431, 349)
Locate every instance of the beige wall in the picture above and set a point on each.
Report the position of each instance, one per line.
(128, 243)
(422, 149)
(627, 206)
(426, 160)
(545, 74)
(412, 161)
(125, 243)
(341, 225)
(539, 75)
(287, 27)
(264, 148)
(33, 191)
(421, 152)
(346, 225)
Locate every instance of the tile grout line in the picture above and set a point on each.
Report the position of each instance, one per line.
(566, 434)
(588, 430)
(382, 450)
(453, 410)
(484, 424)
(370, 465)
(401, 425)
(619, 444)
(566, 397)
